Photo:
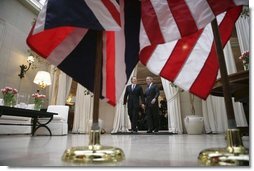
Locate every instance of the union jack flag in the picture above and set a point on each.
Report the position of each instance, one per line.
(65, 34)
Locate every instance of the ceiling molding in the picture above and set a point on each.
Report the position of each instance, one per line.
(31, 6)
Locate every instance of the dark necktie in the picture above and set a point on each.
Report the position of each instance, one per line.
(132, 87)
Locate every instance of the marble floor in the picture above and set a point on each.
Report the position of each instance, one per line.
(140, 150)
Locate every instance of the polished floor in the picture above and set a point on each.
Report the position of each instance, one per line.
(140, 150)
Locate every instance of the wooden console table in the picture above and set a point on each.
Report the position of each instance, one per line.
(34, 114)
(239, 86)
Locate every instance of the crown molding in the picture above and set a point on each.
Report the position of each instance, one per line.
(32, 6)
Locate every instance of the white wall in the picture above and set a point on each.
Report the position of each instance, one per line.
(15, 24)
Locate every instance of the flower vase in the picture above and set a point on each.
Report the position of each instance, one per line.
(246, 67)
(37, 106)
(8, 102)
(38, 100)
(9, 96)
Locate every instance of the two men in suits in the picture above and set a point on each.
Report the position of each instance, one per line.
(134, 93)
(151, 104)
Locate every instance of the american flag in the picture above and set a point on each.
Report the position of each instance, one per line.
(176, 40)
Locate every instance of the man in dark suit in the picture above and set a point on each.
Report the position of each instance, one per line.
(151, 104)
(134, 92)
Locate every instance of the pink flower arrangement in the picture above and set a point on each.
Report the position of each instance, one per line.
(38, 100)
(38, 96)
(245, 58)
(9, 90)
(9, 95)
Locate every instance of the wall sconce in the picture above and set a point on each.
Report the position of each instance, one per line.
(25, 68)
(43, 79)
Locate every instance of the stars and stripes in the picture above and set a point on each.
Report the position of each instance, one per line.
(168, 20)
(176, 40)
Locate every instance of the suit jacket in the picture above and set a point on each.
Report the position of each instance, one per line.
(133, 96)
(150, 94)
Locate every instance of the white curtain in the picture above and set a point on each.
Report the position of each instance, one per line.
(173, 107)
(214, 112)
(121, 120)
(60, 88)
(83, 110)
(64, 88)
(243, 33)
(54, 73)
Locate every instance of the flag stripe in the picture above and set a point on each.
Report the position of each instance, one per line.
(195, 60)
(166, 20)
(218, 8)
(201, 12)
(110, 66)
(159, 57)
(103, 15)
(40, 21)
(209, 70)
(49, 40)
(146, 53)
(104, 59)
(147, 8)
(179, 55)
(182, 17)
(226, 27)
(143, 39)
(113, 10)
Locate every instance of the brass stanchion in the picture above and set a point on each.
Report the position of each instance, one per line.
(235, 153)
(94, 152)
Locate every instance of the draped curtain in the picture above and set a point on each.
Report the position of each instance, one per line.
(213, 108)
(54, 73)
(173, 107)
(243, 33)
(60, 88)
(63, 89)
(121, 120)
(83, 110)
